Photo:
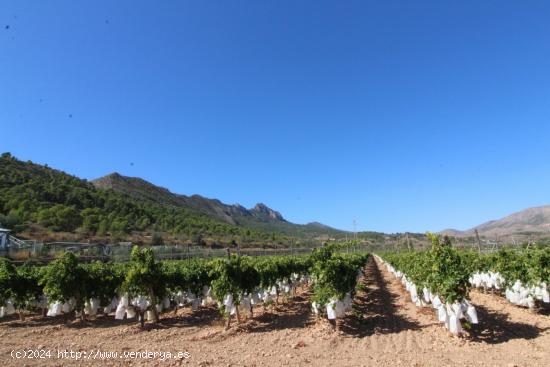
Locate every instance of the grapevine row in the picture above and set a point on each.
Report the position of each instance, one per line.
(145, 287)
(523, 274)
(438, 278)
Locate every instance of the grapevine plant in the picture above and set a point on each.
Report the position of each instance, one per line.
(442, 269)
(146, 278)
(232, 277)
(334, 275)
(64, 280)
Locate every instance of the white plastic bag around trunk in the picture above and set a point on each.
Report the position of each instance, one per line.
(245, 304)
(66, 307)
(441, 313)
(426, 294)
(457, 310)
(114, 302)
(530, 302)
(55, 309)
(8, 308)
(149, 316)
(454, 325)
(436, 302)
(166, 303)
(228, 301)
(140, 302)
(414, 293)
(331, 312)
(120, 311)
(94, 306)
(545, 296)
(130, 313)
(471, 314)
(315, 307)
(87, 308)
(2, 312)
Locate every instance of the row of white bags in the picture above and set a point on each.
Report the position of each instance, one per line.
(487, 280)
(449, 314)
(9, 309)
(258, 296)
(125, 307)
(519, 294)
(91, 307)
(522, 295)
(128, 307)
(335, 308)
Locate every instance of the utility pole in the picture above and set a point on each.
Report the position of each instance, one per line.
(478, 242)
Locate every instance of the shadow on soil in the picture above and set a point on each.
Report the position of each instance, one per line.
(494, 328)
(375, 310)
(294, 313)
(185, 318)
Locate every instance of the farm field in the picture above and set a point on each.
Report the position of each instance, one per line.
(385, 329)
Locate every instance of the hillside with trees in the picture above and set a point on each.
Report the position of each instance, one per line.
(38, 201)
(260, 217)
(42, 203)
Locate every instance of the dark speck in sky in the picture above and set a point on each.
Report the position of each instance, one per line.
(70, 115)
(7, 26)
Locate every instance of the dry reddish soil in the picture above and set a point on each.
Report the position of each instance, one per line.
(384, 329)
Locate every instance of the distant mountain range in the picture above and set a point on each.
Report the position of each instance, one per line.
(259, 217)
(529, 221)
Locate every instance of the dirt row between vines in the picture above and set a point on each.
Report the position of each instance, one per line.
(384, 329)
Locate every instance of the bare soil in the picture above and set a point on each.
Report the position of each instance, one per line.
(384, 329)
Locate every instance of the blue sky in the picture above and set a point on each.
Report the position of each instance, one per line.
(405, 116)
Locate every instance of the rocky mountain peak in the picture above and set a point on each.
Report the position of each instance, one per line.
(262, 211)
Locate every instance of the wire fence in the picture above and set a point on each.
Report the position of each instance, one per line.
(87, 252)
(45, 253)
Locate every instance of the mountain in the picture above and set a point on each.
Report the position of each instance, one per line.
(529, 221)
(259, 217)
(46, 204)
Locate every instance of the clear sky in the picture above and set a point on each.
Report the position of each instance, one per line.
(402, 115)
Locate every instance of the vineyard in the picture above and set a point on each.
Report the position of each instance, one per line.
(329, 292)
(441, 278)
(146, 287)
